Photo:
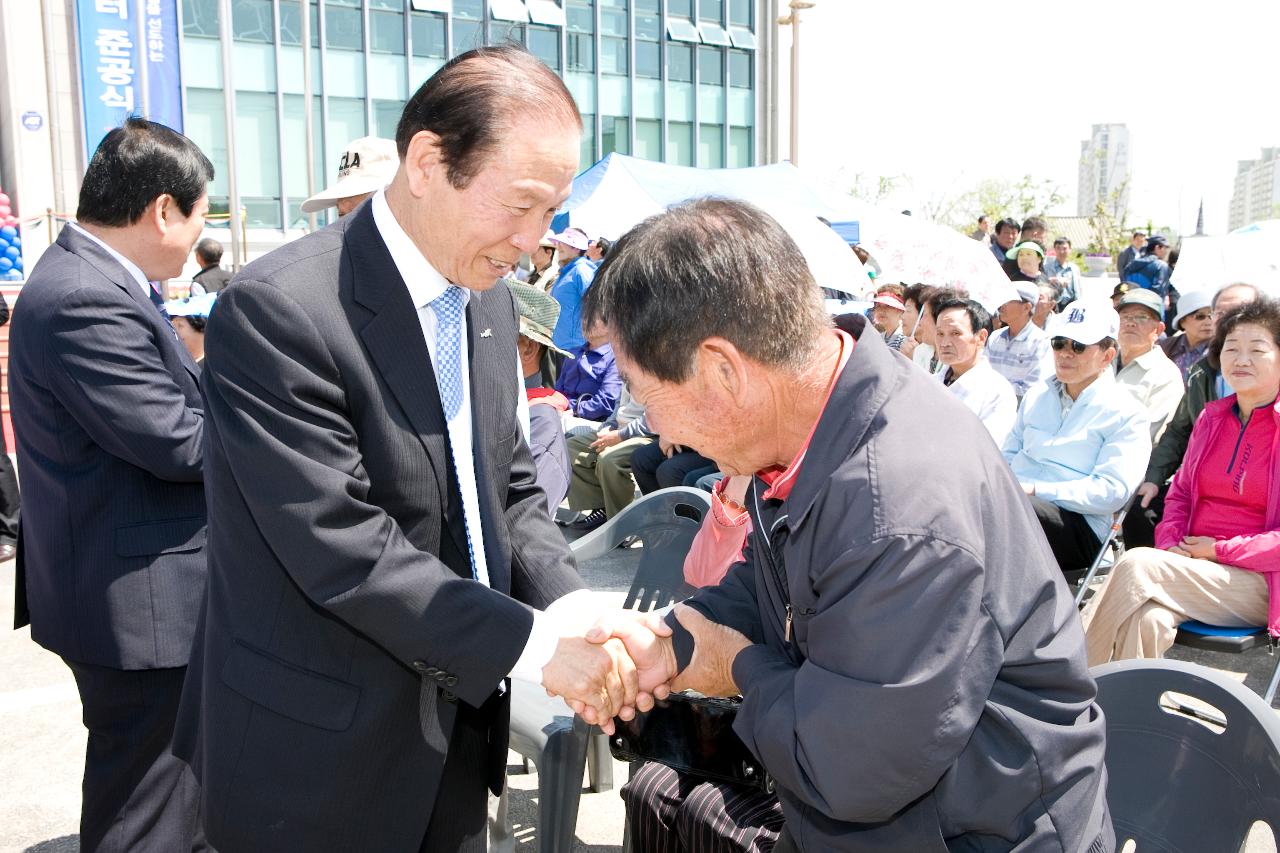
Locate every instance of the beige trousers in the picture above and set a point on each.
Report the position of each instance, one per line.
(1150, 592)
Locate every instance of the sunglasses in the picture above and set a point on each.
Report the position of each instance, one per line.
(1199, 315)
(1061, 343)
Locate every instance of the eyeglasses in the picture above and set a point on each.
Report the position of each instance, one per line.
(1199, 315)
(1061, 343)
(1138, 318)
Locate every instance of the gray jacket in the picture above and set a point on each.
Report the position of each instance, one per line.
(935, 695)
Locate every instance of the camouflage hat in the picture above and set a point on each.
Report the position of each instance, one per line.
(539, 312)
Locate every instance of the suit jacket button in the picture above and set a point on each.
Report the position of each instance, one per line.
(421, 666)
(451, 681)
(448, 697)
(439, 676)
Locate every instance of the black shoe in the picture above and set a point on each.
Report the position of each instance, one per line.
(590, 521)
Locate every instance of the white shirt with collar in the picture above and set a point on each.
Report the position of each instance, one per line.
(129, 266)
(988, 395)
(1156, 382)
(424, 284)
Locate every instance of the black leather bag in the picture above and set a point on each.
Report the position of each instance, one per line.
(692, 734)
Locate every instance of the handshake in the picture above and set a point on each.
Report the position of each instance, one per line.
(626, 660)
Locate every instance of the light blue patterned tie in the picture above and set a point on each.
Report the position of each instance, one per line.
(449, 307)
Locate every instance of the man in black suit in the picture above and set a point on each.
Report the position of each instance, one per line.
(109, 429)
(379, 552)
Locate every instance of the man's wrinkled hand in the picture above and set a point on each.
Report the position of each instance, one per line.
(646, 638)
(598, 680)
(1148, 492)
(715, 647)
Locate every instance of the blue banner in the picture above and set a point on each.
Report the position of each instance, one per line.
(123, 42)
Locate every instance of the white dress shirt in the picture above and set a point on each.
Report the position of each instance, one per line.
(129, 265)
(988, 395)
(424, 284)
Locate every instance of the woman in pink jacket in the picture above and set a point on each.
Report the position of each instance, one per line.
(1217, 554)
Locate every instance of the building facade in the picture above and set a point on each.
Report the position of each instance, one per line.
(670, 80)
(1104, 171)
(1257, 190)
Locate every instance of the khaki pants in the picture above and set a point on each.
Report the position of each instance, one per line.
(601, 480)
(1150, 592)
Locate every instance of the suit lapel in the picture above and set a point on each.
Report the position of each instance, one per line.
(484, 358)
(393, 339)
(100, 259)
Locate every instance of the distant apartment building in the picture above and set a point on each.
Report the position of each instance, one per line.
(1104, 170)
(1257, 190)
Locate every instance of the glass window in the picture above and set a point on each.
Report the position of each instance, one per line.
(740, 69)
(580, 51)
(353, 3)
(257, 144)
(200, 18)
(648, 60)
(544, 43)
(683, 8)
(680, 63)
(466, 35)
(386, 32)
(343, 29)
(613, 55)
(682, 29)
(251, 20)
(614, 135)
(393, 5)
(587, 153)
(648, 27)
(291, 24)
(649, 139)
(711, 10)
(545, 12)
(739, 147)
(616, 4)
(473, 9)
(613, 22)
(651, 6)
(295, 142)
(711, 66)
(713, 34)
(346, 123)
(579, 17)
(386, 115)
(711, 146)
(427, 34)
(508, 10)
(680, 143)
(740, 13)
(743, 37)
(205, 127)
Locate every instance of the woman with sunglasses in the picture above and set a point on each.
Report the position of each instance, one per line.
(1194, 323)
(1217, 554)
(1080, 443)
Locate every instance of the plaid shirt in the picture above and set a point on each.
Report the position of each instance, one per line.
(1026, 360)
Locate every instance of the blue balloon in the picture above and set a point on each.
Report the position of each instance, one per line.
(13, 275)
(5, 264)
(8, 232)
(17, 263)
(4, 244)
(12, 252)
(16, 241)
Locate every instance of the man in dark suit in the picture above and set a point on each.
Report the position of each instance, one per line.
(212, 277)
(379, 552)
(109, 428)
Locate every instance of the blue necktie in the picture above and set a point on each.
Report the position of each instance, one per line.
(154, 292)
(449, 307)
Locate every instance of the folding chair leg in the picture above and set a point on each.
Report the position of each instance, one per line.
(1275, 679)
(599, 762)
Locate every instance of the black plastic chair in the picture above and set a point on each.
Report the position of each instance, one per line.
(1177, 781)
(1231, 641)
(545, 730)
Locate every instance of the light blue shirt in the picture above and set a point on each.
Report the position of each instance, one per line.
(568, 290)
(1087, 455)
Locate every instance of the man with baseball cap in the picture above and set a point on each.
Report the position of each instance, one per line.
(366, 166)
(1020, 351)
(1080, 443)
(1152, 270)
(576, 274)
(538, 313)
(1142, 367)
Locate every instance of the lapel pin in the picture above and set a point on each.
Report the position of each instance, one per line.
(487, 333)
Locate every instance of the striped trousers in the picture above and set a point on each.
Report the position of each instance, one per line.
(668, 812)
(1149, 592)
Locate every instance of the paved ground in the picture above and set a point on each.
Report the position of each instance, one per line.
(42, 747)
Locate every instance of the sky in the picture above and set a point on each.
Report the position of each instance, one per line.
(949, 93)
